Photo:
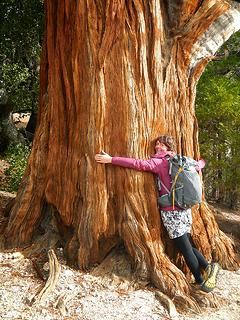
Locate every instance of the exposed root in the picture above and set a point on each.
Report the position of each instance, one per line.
(116, 263)
(61, 306)
(205, 299)
(222, 247)
(185, 303)
(54, 272)
(38, 270)
(48, 240)
(116, 270)
(61, 303)
(167, 303)
(3, 225)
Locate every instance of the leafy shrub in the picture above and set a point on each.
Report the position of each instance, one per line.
(17, 157)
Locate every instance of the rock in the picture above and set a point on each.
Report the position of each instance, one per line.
(5, 199)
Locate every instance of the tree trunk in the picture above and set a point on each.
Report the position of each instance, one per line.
(115, 75)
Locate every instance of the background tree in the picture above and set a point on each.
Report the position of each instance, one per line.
(114, 75)
(218, 111)
(21, 31)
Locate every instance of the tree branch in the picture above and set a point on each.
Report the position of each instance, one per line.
(217, 33)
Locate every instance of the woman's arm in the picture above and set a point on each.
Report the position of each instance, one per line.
(200, 165)
(137, 164)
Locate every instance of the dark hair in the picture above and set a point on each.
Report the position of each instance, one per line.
(168, 141)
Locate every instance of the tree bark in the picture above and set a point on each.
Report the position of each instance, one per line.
(115, 75)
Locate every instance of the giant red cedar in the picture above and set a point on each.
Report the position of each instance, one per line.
(115, 75)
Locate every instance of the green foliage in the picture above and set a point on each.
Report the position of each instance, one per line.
(218, 112)
(232, 45)
(16, 156)
(21, 32)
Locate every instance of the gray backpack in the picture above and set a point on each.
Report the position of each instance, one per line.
(186, 189)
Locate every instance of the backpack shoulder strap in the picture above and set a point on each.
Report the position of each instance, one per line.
(160, 184)
(159, 181)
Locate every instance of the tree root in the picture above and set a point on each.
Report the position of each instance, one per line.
(167, 303)
(116, 270)
(3, 225)
(61, 303)
(48, 240)
(61, 306)
(185, 303)
(204, 299)
(54, 272)
(38, 270)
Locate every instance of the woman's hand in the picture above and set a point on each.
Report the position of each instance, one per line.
(103, 157)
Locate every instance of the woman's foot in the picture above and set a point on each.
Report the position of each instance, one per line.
(210, 277)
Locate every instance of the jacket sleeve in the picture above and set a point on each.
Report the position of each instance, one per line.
(137, 164)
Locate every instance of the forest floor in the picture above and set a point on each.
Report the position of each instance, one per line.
(84, 296)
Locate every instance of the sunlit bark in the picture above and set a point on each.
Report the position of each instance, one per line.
(114, 75)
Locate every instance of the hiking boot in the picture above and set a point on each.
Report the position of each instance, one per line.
(211, 273)
(207, 271)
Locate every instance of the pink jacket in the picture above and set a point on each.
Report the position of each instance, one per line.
(157, 164)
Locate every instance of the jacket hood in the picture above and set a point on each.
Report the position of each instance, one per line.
(163, 154)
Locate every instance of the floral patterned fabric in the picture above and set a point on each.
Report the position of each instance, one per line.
(176, 222)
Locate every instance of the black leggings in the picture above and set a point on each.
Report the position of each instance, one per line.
(194, 259)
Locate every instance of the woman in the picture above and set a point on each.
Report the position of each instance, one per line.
(176, 220)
